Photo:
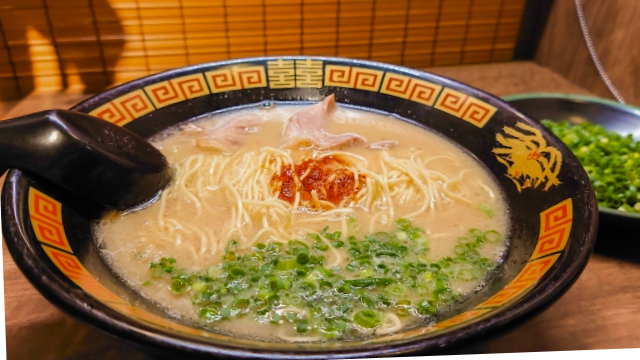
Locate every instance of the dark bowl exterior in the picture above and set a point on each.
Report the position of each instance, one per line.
(617, 229)
(554, 217)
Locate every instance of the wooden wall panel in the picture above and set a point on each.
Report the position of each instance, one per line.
(614, 29)
(52, 45)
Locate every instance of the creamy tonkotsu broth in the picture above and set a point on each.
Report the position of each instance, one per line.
(308, 223)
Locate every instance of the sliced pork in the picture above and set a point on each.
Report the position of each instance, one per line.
(306, 128)
(227, 135)
(383, 145)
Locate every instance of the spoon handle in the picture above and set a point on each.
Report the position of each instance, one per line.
(30, 143)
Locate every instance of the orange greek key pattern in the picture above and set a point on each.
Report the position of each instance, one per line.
(452, 102)
(507, 293)
(125, 109)
(282, 74)
(73, 269)
(176, 90)
(300, 73)
(555, 227)
(236, 78)
(465, 316)
(409, 88)
(45, 210)
(465, 107)
(535, 269)
(531, 273)
(46, 219)
(135, 104)
(353, 77)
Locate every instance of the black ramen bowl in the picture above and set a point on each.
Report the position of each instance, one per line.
(617, 231)
(553, 211)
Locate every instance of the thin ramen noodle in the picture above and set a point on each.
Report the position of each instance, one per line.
(310, 222)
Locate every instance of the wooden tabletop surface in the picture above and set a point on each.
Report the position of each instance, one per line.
(601, 311)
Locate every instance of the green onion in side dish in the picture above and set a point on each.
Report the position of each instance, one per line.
(611, 160)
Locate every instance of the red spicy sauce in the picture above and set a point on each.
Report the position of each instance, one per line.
(329, 177)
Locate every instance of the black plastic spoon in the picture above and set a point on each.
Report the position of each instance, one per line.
(86, 155)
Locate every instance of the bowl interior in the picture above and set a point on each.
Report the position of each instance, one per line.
(48, 230)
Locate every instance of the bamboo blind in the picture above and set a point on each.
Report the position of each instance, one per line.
(51, 45)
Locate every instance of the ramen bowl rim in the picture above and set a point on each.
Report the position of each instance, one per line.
(141, 335)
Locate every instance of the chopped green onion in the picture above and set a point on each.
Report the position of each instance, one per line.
(337, 244)
(477, 234)
(308, 287)
(179, 285)
(284, 284)
(276, 318)
(199, 286)
(274, 247)
(367, 318)
(352, 224)
(288, 263)
(302, 257)
(302, 271)
(492, 236)
(472, 255)
(486, 209)
(611, 160)
(225, 313)
(241, 304)
(213, 272)
(426, 307)
(237, 272)
(402, 307)
(465, 239)
(369, 282)
(321, 247)
(302, 326)
(403, 223)
(465, 274)
(384, 271)
(208, 314)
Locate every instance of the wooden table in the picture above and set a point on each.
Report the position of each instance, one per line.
(601, 311)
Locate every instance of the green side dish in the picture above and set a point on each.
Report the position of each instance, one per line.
(611, 160)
